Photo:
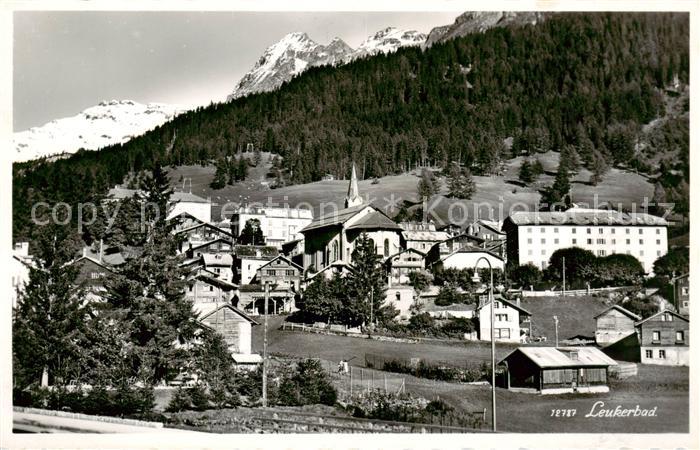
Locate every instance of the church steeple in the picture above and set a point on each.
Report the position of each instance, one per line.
(353, 198)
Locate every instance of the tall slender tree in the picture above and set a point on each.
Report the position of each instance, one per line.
(366, 284)
(49, 316)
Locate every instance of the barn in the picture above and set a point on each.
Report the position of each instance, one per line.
(557, 370)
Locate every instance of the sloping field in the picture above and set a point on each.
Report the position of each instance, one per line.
(575, 315)
(495, 196)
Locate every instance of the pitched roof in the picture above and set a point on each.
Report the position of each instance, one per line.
(289, 261)
(424, 235)
(509, 303)
(213, 241)
(585, 216)
(232, 308)
(376, 220)
(207, 225)
(187, 197)
(624, 311)
(545, 357)
(219, 259)
(430, 306)
(334, 218)
(470, 249)
(662, 312)
(216, 282)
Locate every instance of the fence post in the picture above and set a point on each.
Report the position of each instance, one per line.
(351, 382)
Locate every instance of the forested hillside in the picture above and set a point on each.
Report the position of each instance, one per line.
(586, 80)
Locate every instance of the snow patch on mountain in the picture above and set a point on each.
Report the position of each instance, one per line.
(110, 122)
(296, 52)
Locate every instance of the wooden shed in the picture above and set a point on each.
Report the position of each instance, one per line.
(234, 325)
(557, 370)
(614, 324)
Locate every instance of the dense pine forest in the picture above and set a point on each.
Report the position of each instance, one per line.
(584, 80)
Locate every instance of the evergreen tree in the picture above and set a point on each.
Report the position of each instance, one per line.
(558, 192)
(525, 173)
(147, 295)
(570, 159)
(599, 167)
(50, 312)
(221, 177)
(252, 233)
(366, 284)
(428, 185)
(460, 182)
(537, 168)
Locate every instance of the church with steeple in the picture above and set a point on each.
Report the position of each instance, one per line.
(329, 239)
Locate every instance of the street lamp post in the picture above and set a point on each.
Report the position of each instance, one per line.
(476, 279)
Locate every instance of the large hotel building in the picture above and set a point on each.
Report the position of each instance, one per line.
(532, 237)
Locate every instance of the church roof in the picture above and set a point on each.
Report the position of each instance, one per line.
(334, 218)
(373, 221)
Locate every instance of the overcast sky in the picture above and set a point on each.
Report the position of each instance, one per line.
(65, 62)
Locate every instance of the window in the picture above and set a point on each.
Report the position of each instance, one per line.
(501, 317)
(658, 253)
(600, 241)
(656, 336)
(556, 240)
(662, 354)
(641, 231)
(658, 231)
(658, 242)
(496, 305)
(649, 354)
(613, 241)
(334, 251)
(573, 241)
(600, 231)
(601, 252)
(612, 230)
(211, 288)
(589, 241)
(386, 247)
(684, 290)
(680, 336)
(628, 241)
(191, 288)
(542, 230)
(667, 317)
(543, 252)
(573, 231)
(588, 231)
(641, 253)
(627, 231)
(95, 275)
(529, 230)
(529, 240)
(529, 252)
(641, 242)
(544, 241)
(271, 273)
(398, 296)
(556, 230)
(290, 272)
(501, 333)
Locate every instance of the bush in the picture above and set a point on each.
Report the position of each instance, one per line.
(458, 326)
(421, 322)
(448, 295)
(180, 401)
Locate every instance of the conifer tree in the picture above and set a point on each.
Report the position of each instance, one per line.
(366, 284)
(49, 316)
(147, 294)
(252, 233)
(559, 191)
(460, 182)
(525, 173)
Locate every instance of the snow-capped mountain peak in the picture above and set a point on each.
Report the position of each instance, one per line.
(296, 52)
(389, 40)
(107, 123)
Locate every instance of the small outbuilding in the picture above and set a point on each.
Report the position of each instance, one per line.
(557, 370)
